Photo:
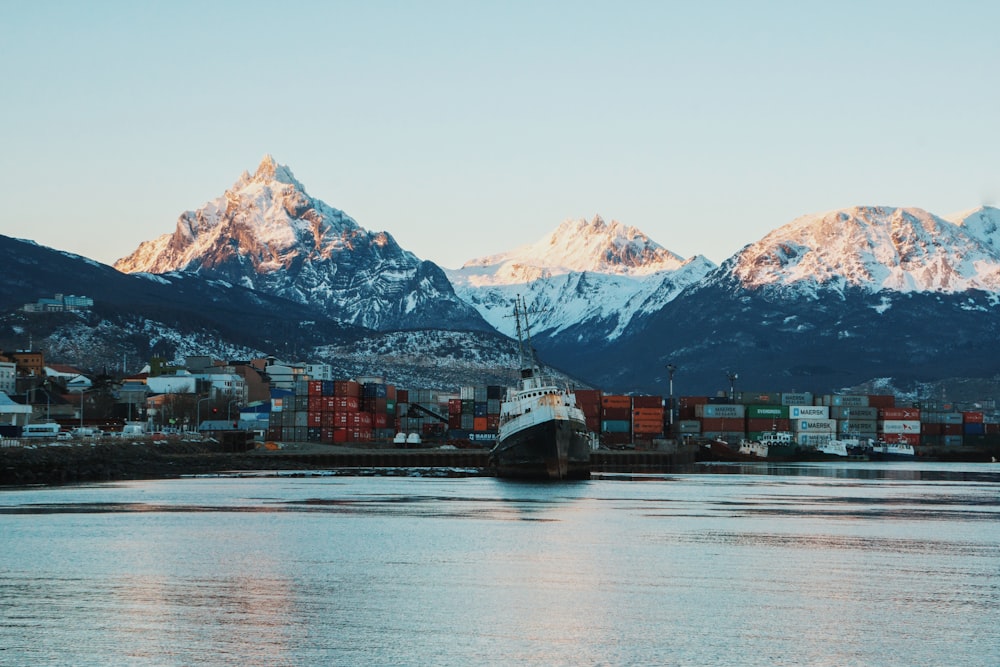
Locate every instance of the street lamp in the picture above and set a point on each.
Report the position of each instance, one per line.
(197, 424)
(732, 385)
(670, 373)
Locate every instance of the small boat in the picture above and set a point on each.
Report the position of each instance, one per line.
(837, 447)
(883, 450)
(772, 445)
(542, 432)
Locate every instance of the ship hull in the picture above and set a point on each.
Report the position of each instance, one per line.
(550, 450)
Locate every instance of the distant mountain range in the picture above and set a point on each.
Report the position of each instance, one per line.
(824, 302)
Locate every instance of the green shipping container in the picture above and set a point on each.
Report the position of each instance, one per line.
(767, 411)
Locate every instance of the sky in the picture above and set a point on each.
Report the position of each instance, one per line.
(470, 128)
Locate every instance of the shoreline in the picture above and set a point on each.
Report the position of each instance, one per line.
(104, 461)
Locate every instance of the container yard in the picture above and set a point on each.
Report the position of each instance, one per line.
(373, 411)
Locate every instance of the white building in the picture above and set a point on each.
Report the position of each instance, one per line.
(223, 385)
(182, 383)
(13, 413)
(8, 377)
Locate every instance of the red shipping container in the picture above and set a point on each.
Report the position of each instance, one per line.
(932, 429)
(454, 406)
(346, 388)
(315, 387)
(726, 424)
(951, 429)
(402, 396)
(616, 414)
(588, 396)
(380, 420)
(899, 413)
(315, 403)
(614, 401)
(908, 438)
(328, 419)
(492, 422)
(762, 424)
(314, 419)
(883, 401)
(346, 403)
(972, 417)
(647, 402)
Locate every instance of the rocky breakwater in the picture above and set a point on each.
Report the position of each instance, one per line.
(109, 461)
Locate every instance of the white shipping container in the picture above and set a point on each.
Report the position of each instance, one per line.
(808, 412)
(690, 426)
(720, 410)
(815, 425)
(800, 398)
(899, 426)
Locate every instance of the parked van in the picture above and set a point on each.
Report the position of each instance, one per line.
(40, 431)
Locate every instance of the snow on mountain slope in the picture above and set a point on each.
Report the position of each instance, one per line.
(574, 246)
(583, 272)
(982, 222)
(266, 233)
(874, 248)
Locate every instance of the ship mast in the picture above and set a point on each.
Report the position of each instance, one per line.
(529, 364)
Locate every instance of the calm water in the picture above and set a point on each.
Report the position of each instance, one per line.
(863, 564)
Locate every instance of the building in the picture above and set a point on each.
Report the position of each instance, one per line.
(28, 363)
(59, 304)
(8, 377)
(12, 413)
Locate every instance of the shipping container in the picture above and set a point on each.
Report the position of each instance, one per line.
(729, 425)
(899, 413)
(931, 429)
(479, 423)
(972, 417)
(848, 412)
(974, 428)
(616, 426)
(492, 406)
(616, 401)
(798, 398)
(769, 425)
(689, 426)
(299, 420)
(616, 414)
(758, 398)
(767, 412)
(812, 438)
(814, 425)
(647, 402)
(942, 417)
(495, 392)
(583, 396)
(720, 411)
(848, 400)
(881, 401)
(808, 412)
(952, 440)
(848, 426)
(898, 426)
(467, 393)
(315, 388)
(327, 388)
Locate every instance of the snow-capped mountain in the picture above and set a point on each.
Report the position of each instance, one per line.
(266, 233)
(590, 278)
(875, 249)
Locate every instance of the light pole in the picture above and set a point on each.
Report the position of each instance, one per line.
(229, 408)
(197, 423)
(670, 373)
(732, 385)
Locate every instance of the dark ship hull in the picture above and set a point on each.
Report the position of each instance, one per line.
(548, 450)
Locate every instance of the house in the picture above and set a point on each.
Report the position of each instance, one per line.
(181, 383)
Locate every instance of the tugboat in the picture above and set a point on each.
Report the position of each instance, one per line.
(542, 432)
(772, 445)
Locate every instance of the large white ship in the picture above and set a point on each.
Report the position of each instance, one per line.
(542, 432)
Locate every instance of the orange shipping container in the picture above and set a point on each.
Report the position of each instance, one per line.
(479, 424)
(648, 413)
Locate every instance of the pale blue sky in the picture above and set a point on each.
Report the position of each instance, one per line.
(467, 128)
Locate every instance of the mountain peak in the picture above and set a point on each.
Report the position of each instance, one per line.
(579, 245)
(874, 248)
